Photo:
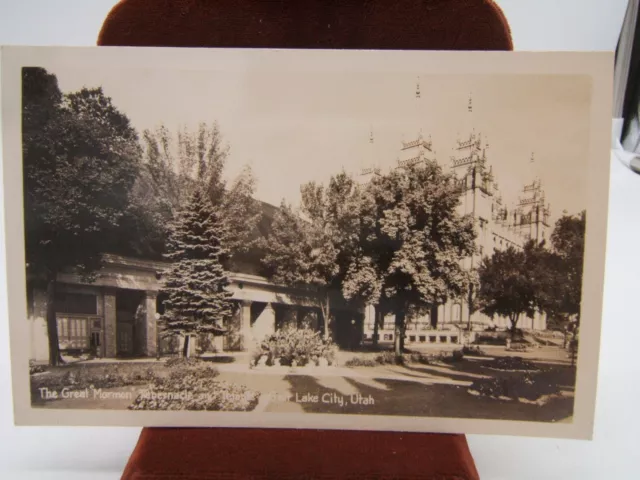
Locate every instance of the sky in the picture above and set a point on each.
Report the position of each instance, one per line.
(292, 126)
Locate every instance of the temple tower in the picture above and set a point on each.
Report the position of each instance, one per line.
(418, 149)
(476, 182)
(532, 212)
(370, 165)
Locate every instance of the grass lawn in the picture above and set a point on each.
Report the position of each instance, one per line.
(373, 395)
(409, 390)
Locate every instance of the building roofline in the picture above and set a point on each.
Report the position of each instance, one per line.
(155, 266)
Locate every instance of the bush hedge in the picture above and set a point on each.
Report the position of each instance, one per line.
(361, 362)
(390, 358)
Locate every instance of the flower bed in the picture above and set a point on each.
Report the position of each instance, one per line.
(195, 390)
(97, 376)
(295, 347)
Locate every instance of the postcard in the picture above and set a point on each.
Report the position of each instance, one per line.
(369, 240)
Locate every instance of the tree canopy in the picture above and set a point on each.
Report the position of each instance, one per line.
(413, 243)
(536, 278)
(506, 287)
(567, 241)
(396, 242)
(174, 166)
(80, 161)
(312, 246)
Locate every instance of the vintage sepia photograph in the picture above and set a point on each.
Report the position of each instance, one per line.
(306, 235)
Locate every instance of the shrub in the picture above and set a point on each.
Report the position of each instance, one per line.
(194, 391)
(529, 386)
(491, 338)
(390, 358)
(36, 369)
(473, 350)
(300, 345)
(192, 366)
(448, 357)
(361, 362)
(457, 356)
(421, 358)
(511, 363)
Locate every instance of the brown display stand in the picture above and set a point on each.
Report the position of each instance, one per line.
(230, 454)
(223, 453)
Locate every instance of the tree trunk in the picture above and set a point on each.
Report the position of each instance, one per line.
(376, 325)
(325, 307)
(185, 347)
(52, 324)
(398, 340)
(433, 316)
(470, 307)
(514, 324)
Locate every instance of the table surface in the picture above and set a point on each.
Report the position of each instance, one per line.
(70, 453)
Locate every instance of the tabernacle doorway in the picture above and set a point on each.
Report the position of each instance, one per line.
(130, 323)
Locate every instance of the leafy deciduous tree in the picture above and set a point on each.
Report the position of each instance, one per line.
(516, 282)
(80, 160)
(412, 245)
(314, 246)
(567, 240)
(174, 166)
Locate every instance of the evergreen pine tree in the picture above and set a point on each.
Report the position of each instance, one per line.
(196, 285)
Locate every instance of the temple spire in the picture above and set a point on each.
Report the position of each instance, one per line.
(470, 106)
(532, 168)
(370, 166)
(418, 88)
